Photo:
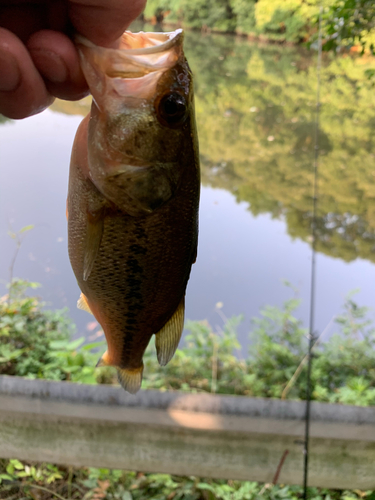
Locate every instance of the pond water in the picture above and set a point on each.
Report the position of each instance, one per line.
(255, 112)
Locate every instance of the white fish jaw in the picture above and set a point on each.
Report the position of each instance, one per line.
(131, 70)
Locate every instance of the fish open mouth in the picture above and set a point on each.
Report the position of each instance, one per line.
(134, 67)
(149, 43)
(137, 54)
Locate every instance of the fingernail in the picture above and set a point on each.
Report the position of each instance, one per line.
(10, 75)
(50, 65)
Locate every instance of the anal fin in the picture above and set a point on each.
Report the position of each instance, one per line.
(130, 379)
(83, 304)
(167, 339)
(94, 233)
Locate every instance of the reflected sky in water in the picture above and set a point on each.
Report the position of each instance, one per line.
(242, 259)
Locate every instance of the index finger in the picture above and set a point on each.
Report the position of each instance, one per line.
(104, 21)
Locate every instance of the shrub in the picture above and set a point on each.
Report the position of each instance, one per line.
(36, 342)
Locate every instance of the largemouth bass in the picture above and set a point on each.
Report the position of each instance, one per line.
(133, 196)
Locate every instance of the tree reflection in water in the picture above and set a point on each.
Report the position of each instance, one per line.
(255, 110)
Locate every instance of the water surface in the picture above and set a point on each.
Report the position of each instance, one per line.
(256, 112)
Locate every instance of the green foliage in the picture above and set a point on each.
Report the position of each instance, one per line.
(15, 470)
(217, 14)
(50, 481)
(292, 19)
(211, 13)
(35, 342)
(345, 22)
(350, 22)
(155, 7)
(206, 363)
(344, 367)
(343, 371)
(279, 344)
(244, 11)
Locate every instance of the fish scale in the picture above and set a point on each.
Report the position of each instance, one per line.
(128, 274)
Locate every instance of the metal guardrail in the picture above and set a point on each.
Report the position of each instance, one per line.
(185, 434)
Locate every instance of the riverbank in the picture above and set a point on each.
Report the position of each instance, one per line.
(271, 21)
(150, 25)
(264, 20)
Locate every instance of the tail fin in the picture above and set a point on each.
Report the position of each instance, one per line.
(130, 379)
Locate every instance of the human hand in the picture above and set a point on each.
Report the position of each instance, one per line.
(38, 60)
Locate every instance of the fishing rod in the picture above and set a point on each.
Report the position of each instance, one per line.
(313, 264)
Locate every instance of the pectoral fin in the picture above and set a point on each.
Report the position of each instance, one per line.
(130, 379)
(95, 225)
(83, 304)
(167, 339)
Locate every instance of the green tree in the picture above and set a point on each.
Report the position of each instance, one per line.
(292, 20)
(245, 13)
(350, 22)
(217, 14)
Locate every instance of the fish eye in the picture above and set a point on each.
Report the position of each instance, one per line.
(171, 109)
